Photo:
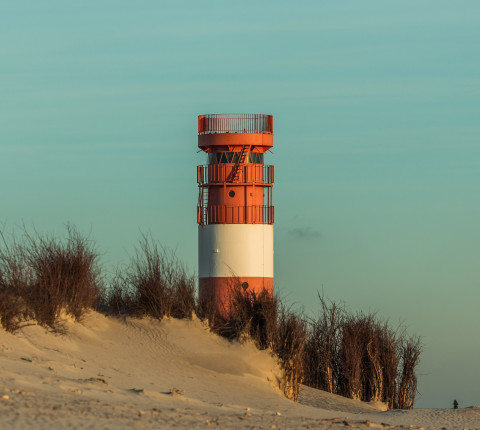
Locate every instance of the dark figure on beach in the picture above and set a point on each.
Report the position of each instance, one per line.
(455, 404)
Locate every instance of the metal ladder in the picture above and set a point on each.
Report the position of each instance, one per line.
(203, 205)
(233, 177)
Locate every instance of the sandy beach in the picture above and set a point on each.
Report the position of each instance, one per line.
(109, 373)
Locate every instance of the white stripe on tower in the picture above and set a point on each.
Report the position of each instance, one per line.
(241, 250)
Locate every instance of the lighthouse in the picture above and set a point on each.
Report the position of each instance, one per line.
(235, 213)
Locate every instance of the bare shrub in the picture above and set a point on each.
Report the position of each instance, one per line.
(288, 346)
(117, 299)
(207, 310)
(184, 303)
(15, 276)
(11, 306)
(374, 362)
(42, 276)
(361, 357)
(389, 359)
(155, 284)
(322, 347)
(410, 355)
(351, 353)
(66, 276)
(368, 360)
(253, 315)
(246, 314)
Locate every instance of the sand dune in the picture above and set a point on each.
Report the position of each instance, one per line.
(106, 373)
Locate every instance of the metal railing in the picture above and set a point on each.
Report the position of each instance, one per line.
(235, 214)
(235, 123)
(247, 173)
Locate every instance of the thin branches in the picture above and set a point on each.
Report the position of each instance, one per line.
(361, 357)
(41, 276)
(155, 284)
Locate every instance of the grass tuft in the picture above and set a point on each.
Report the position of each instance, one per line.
(43, 276)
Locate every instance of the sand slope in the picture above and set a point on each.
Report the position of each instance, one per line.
(107, 373)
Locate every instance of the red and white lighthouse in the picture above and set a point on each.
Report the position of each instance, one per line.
(235, 212)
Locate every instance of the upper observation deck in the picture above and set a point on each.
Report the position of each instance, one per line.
(233, 131)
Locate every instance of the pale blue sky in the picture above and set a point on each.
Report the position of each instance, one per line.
(376, 110)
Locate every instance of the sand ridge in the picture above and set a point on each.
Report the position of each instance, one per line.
(116, 373)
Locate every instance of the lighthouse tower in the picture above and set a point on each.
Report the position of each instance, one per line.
(235, 212)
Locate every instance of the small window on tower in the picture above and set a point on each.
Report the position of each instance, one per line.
(231, 193)
(255, 158)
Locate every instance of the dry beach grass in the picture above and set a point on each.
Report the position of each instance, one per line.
(147, 361)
